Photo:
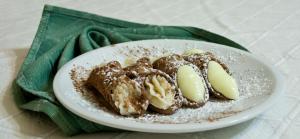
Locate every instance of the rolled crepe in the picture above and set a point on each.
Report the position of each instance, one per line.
(125, 96)
(188, 78)
(162, 92)
(216, 74)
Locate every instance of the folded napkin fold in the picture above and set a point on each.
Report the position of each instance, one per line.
(64, 34)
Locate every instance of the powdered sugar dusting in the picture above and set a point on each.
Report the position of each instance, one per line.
(252, 82)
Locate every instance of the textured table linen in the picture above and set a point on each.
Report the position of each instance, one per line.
(267, 28)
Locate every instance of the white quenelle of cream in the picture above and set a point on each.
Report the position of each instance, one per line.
(193, 51)
(221, 81)
(190, 83)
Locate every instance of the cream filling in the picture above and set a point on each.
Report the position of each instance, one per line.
(190, 83)
(193, 51)
(122, 96)
(129, 61)
(161, 94)
(221, 81)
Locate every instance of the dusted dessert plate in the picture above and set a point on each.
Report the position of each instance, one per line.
(259, 83)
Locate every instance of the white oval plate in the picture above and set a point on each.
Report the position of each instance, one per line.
(259, 85)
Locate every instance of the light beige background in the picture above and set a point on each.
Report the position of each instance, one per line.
(269, 28)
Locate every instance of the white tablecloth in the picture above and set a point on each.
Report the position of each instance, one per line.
(269, 28)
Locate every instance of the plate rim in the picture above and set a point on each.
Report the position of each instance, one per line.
(185, 127)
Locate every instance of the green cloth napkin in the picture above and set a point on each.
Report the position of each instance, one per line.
(64, 34)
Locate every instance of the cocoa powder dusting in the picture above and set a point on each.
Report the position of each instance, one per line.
(252, 83)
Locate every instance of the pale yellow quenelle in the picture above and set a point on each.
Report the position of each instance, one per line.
(190, 83)
(221, 81)
(193, 51)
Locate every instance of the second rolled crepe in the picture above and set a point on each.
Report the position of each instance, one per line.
(162, 92)
(188, 78)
